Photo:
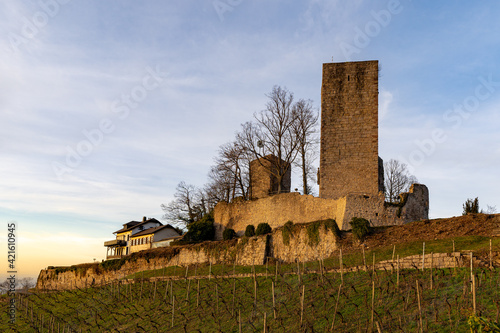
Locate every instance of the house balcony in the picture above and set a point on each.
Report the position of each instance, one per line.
(115, 243)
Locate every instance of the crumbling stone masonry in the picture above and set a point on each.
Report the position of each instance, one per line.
(263, 180)
(279, 209)
(351, 174)
(349, 161)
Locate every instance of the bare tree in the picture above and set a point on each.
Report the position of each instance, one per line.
(397, 179)
(305, 127)
(232, 164)
(189, 205)
(273, 134)
(23, 284)
(491, 209)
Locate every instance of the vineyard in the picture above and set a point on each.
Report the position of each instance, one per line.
(339, 294)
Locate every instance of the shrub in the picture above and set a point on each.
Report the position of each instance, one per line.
(262, 229)
(250, 231)
(201, 230)
(113, 264)
(471, 206)
(360, 228)
(286, 232)
(313, 233)
(228, 234)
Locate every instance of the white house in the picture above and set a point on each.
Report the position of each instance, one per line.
(136, 236)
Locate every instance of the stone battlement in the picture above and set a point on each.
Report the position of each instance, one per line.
(279, 209)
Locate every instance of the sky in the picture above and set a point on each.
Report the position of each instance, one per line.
(105, 106)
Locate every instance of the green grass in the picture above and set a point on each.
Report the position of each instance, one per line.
(147, 306)
(222, 299)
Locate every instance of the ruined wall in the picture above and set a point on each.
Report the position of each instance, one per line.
(263, 181)
(300, 247)
(349, 129)
(279, 209)
(275, 210)
(243, 251)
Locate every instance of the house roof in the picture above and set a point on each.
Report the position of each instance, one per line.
(152, 230)
(134, 224)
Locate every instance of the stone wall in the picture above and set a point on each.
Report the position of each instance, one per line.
(279, 209)
(300, 247)
(252, 251)
(243, 251)
(275, 210)
(349, 129)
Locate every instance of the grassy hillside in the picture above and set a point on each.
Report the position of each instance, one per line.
(308, 297)
(305, 302)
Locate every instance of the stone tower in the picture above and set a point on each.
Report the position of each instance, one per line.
(349, 161)
(263, 180)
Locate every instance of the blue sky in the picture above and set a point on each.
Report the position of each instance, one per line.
(106, 106)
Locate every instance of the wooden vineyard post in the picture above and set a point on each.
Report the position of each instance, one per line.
(373, 264)
(432, 264)
(373, 306)
(166, 291)
(234, 296)
(341, 268)
(393, 253)
(397, 279)
(173, 310)
(491, 257)
(364, 257)
(336, 307)
(210, 271)
(255, 292)
(198, 295)
(265, 322)
(471, 271)
(302, 303)
(274, 300)
(239, 320)
(474, 294)
(298, 270)
(419, 309)
(217, 298)
(423, 256)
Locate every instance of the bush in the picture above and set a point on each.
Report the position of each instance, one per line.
(360, 228)
(250, 231)
(228, 234)
(201, 230)
(263, 228)
(471, 206)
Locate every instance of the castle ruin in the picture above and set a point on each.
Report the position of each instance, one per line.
(351, 172)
